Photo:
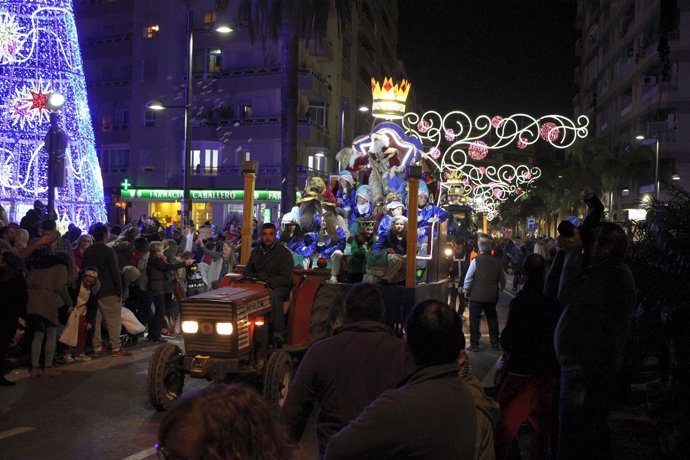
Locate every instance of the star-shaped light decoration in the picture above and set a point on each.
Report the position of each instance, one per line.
(11, 38)
(28, 107)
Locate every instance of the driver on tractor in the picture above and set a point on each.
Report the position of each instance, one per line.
(271, 263)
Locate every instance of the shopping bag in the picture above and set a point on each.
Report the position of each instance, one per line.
(131, 323)
(70, 334)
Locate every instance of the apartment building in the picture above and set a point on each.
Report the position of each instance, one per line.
(135, 52)
(634, 78)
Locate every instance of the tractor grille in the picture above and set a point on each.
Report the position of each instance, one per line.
(206, 341)
(242, 327)
(225, 305)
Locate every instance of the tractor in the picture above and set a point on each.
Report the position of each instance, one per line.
(226, 338)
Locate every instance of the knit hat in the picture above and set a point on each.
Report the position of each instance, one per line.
(364, 191)
(423, 189)
(346, 175)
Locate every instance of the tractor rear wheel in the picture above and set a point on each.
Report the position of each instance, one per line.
(325, 311)
(166, 376)
(277, 379)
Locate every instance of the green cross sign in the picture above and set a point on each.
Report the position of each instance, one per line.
(125, 184)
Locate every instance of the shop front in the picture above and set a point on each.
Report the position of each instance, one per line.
(217, 206)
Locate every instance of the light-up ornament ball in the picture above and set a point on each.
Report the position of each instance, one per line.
(549, 132)
(449, 135)
(435, 153)
(522, 143)
(497, 121)
(478, 150)
(322, 262)
(423, 126)
(498, 193)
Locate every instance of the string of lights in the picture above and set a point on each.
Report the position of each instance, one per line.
(454, 141)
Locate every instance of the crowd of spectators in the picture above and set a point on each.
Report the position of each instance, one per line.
(378, 396)
(99, 275)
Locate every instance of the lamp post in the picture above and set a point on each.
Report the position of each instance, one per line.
(56, 144)
(343, 108)
(186, 203)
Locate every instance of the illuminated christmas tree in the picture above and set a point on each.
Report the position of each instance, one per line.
(39, 54)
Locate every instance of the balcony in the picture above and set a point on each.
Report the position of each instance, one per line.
(108, 83)
(322, 50)
(313, 83)
(113, 40)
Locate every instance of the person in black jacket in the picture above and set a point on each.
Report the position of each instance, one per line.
(531, 371)
(157, 270)
(13, 299)
(271, 263)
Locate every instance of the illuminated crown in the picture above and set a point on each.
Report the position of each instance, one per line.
(389, 99)
(453, 176)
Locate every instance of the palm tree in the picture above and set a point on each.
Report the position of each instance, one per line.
(286, 22)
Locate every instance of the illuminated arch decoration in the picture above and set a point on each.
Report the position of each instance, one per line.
(455, 140)
(39, 54)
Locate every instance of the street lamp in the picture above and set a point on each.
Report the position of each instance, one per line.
(343, 108)
(155, 104)
(641, 137)
(56, 144)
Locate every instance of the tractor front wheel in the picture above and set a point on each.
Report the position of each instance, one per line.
(166, 376)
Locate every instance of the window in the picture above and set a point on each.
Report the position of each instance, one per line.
(209, 165)
(195, 161)
(211, 161)
(114, 160)
(151, 31)
(149, 118)
(107, 123)
(246, 111)
(149, 68)
(318, 114)
(209, 19)
(213, 60)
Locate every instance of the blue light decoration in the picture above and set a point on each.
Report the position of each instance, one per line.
(39, 54)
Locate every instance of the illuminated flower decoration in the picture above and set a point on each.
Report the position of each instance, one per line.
(11, 38)
(478, 150)
(482, 169)
(435, 153)
(518, 191)
(498, 193)
(527, 175)
(549, 132)
(465, 181)
(522, 143)
(497, 121)
(450, 135)
(423, 126)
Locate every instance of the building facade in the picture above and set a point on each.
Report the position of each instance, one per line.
(135, 52)
(634, 78)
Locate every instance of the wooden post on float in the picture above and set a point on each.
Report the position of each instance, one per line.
(413, 175)
(250, 168)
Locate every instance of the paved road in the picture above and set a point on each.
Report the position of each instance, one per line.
(99, 409)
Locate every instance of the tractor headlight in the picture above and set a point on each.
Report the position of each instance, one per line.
(224, 328)
(190, 327)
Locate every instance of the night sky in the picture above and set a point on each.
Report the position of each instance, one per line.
(490, 57)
